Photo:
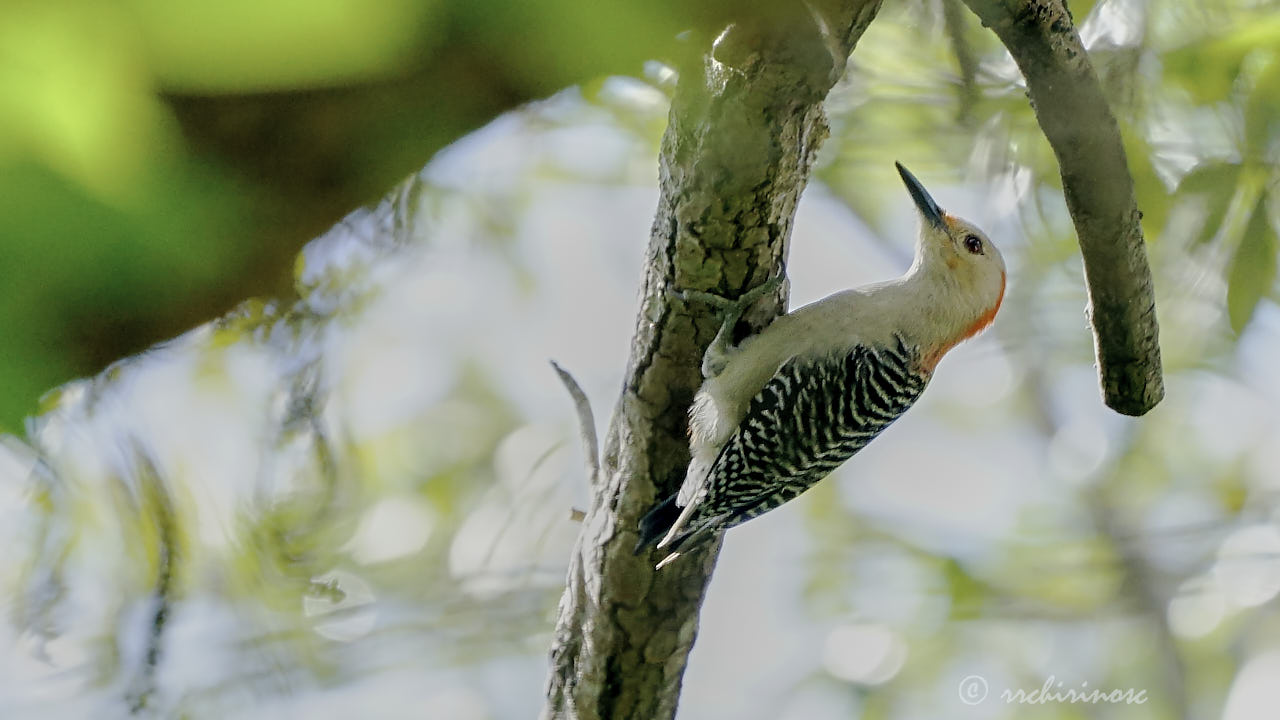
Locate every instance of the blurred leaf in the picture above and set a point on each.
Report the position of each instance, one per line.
(1253, 269)
(968, 594)
(1208, 82)
(1214, 184)
(1080, 10)
(1150, 190)
(75, 96)
(243, 45)
(546, 45)
(1262, 110)
(1208, 67)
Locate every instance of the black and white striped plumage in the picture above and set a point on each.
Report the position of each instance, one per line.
(811, 416)
(785, 407)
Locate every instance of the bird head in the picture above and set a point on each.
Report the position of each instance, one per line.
(955, 253)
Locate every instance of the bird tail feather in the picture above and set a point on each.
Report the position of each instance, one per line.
(656, 523)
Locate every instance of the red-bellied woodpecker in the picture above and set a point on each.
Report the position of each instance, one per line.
(788, 405)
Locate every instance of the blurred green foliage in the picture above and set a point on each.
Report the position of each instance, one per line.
(161, 161)
(1253, 269)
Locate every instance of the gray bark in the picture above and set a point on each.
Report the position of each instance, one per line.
(745, 123)
(1074, 114)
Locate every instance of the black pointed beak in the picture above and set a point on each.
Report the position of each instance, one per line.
(928, 208)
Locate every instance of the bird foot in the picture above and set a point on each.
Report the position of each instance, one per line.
(719, 351)
(736, 306)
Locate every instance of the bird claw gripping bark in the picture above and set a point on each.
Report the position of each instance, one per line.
(717, 355)
(736, 306)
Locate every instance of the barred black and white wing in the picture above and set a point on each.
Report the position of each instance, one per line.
(811, 416)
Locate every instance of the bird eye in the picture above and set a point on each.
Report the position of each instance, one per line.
(973, 244)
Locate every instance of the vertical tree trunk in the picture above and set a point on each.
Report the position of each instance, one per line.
(745, 123)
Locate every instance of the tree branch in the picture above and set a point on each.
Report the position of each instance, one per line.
(586, 422)
(745, 123)
(954, 20)
(1075, 117)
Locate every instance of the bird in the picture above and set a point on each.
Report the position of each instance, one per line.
(787, 406)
